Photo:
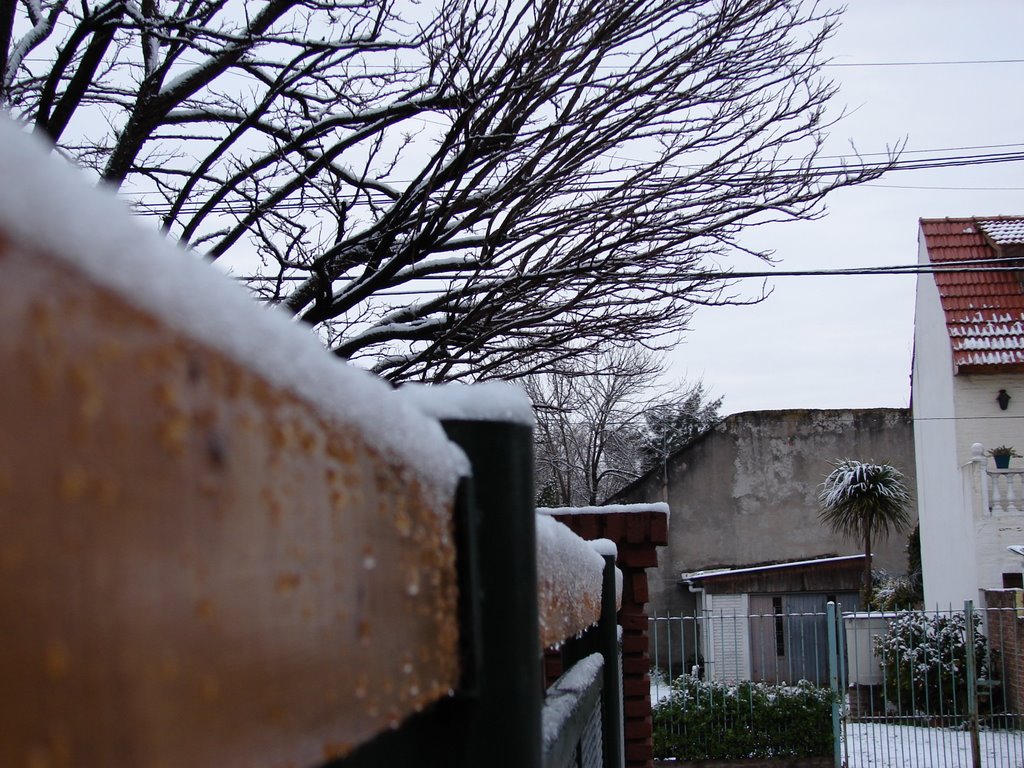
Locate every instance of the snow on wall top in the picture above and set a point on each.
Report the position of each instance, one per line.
(604, 547)
(564, 697)
(488, 401)
(984, 310)
(47, 206)
(569, 580)
(606, 509)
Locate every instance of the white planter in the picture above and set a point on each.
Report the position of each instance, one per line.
(863, 667)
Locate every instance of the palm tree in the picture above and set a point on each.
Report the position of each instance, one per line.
(861, 500)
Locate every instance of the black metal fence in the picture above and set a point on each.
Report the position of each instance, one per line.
(912, 688)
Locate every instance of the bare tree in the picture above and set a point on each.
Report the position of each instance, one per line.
(587, 441)
(485, 184)
(606, 420)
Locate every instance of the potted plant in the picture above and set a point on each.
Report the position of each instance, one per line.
(1002, 454)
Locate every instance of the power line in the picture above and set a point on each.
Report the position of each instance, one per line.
(999, 264)
(948, 189)
(939, 63)
(594, 185)
(933, 268)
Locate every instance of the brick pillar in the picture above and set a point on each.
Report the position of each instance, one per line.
(637, 534)
(1006, 635)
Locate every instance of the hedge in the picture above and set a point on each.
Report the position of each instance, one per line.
(715, 721)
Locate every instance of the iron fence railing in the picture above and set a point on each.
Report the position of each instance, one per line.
(912, 688)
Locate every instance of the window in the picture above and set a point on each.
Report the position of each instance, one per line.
(780, 629)
(1013, 581)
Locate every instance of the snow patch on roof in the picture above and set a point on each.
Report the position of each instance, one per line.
(47, 207)
(1004, 231)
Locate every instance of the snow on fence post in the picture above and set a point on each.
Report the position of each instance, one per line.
(493, 425)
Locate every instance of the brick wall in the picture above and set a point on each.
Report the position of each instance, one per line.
(637, 534)
(1006, 635)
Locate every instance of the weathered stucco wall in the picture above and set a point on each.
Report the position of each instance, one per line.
(746, 493)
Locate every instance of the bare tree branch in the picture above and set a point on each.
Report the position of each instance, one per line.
(485, 186)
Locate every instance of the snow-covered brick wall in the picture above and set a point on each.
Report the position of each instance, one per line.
(606, 509)
(569, 579)
(227, 533)
(47, 206)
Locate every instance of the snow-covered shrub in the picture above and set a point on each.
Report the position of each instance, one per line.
(708, 720)
(924, 659)
(891, 593)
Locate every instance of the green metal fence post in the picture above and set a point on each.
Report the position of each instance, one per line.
(833, 677)
(608, 629)
(510, 687)
(972, 685)
(844, 673)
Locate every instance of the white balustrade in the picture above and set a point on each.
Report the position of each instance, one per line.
(1005, 491)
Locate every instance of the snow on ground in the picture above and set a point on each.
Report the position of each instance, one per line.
(872, 745)
(660, 688)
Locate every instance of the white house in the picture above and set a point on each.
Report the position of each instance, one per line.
(967, 397)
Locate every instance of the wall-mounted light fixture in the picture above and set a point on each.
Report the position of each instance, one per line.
(1003, 399)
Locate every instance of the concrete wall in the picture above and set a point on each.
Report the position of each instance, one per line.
(746, 493)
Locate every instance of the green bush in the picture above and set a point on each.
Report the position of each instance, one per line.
(714, 721)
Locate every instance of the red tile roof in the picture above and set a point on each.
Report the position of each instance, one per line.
(984, 310)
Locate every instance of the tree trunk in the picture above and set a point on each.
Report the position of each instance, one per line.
(865, 579)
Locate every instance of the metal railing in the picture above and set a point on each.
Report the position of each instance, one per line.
(908, 692)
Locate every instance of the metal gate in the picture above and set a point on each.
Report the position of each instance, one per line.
(905, 691)
(931, 688)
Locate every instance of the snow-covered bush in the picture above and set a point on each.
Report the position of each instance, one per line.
(924, 659)
(891, 593)
(708, 720)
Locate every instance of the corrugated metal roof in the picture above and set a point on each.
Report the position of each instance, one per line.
(984, 310)
(693, 575)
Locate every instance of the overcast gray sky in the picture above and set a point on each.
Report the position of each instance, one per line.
(836, 342)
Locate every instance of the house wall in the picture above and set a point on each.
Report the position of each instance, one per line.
(947, 561)
(980, 420)
(747, 492)
(963, 550)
